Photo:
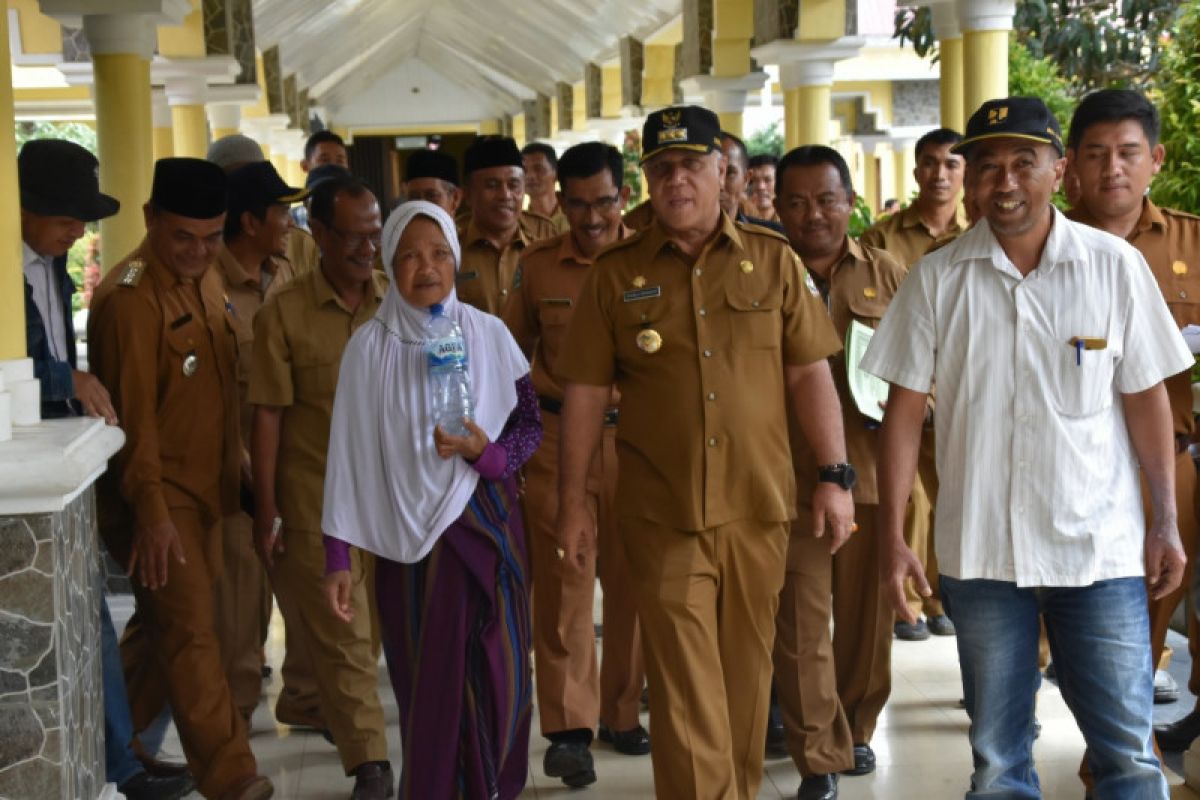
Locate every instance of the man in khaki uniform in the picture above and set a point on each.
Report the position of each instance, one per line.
(497, 230)
(1114, 151)
(540, 163)
(433, 176)
(908, 235)
(856, 282)
(251, 265)
(299, 336)
(704, 325)
(760, 188)
(162, 343)
(572, 694)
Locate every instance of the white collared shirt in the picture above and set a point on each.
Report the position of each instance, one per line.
(47, 296)
(1038, 479)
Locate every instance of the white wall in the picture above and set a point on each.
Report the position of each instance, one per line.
(390, 101)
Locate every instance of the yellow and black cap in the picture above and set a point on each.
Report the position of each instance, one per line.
(258, 184)
(682, 127)
(1012, 117)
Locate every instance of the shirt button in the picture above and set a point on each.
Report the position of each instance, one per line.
(712, 395)
(754, 304)
(712, 442)
(703, 313)
(699, 271)
(708, 353)
(1183, 294)
(504, 292)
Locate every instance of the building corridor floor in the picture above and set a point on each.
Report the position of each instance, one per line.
(921, 743)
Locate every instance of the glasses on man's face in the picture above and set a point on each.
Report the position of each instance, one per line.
(353, 242)
(601, 206)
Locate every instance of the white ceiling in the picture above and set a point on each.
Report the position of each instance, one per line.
(503, 51)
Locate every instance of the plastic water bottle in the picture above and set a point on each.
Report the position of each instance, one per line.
(446, 354)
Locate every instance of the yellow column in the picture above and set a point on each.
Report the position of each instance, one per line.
(190, 127)
(658, 75)
(985, 67)
(806, 115)
(733, 28)
(870, 184)
(124, 140)
(163, 136)
(295, 175)
(12, 282)
(904, 161)
(280, 160)
(950, 64)
(731, 122)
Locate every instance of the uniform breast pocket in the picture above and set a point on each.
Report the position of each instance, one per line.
(867, 310)
(181, 347)
(554, 319)
(754, 320)
(316, 381)
(1080, 379)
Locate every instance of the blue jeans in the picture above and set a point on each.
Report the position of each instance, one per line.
(1100, 641)
(120, 764)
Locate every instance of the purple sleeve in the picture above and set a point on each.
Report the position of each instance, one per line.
(337, 555)
(520, 438)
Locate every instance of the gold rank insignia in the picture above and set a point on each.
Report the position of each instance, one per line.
(746, 267)
(639, 282)
(869, 292)
(649, 340)
(133, 273)
(1179, 268)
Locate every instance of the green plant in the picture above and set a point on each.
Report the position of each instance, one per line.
(631, 152)
(766, 141)
(1177, 95)
(860, 217)
(77, 132)
(83, 265)
(1039, 77)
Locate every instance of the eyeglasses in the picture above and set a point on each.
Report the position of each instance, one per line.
(354, 242)
(602, 206)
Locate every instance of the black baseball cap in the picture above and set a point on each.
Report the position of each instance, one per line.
(1012, 117)
(683, 127)
(58, 178)
(258, 184)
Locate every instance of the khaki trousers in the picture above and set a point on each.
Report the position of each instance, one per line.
(344, 658)
(918, 531)
(242, 608)
(572, 693)
(171, 653)
(818, 736)
(707, 603)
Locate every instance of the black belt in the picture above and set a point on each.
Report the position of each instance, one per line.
(552, 406)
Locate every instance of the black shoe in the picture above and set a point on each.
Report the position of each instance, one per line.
(633, 742)
(1178, 736)
(571, 761)
(145, 786)
(864, 760)
(818, 787)
(163, 769)
(940, 625)
(917, 632)
(776, 739)
(1166, 690)
(373, 781)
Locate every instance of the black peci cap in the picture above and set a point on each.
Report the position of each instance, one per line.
(491, 151)
(1012, 117)
(189, 187)
(682, 127)
(431, 164)
(58, 178)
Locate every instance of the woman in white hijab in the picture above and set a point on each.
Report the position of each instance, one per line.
(440, 513)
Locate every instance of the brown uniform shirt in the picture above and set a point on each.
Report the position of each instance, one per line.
(246, 296)
(165, 349)
(302, 251)
(906, 237)
(640, 217)
(485, 277)
(700, 439)
(1169, 240)
(557, 219)
(541, 306)
(860, 287)
(299, 337)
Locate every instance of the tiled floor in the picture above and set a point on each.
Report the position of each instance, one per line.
(921, 743)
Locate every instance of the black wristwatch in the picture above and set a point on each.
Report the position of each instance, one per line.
(844, 475)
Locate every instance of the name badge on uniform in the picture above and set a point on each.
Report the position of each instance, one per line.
(468, 276)
(556, 301)
(642, 294)
(190, 364)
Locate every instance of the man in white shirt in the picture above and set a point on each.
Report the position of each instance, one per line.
(1049, 343)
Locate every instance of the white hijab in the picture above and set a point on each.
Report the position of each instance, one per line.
(386, 489)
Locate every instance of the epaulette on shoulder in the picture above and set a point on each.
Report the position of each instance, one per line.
(542, 244)
(132, 272)
(750, 227)
(621, 244)
(1174, 212)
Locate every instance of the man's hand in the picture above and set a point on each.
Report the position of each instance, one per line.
(833, 506)
(898, 563)
(153, 547)
(576, 535)
(470, 447)
(268, 538)
(337, 593)
(92, 395)
(1165, 559)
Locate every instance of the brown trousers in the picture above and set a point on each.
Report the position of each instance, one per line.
(571, 692)
(242, 611)
(918, 534)
(707, 603)
(345, 657)
(171, 653)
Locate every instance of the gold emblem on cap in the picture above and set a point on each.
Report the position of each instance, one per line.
(997, 115)
(672, 117)
(190, 365)
(649, 340)
(746, 267)
(869, 292)
(639, 282)
(1179, 268)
